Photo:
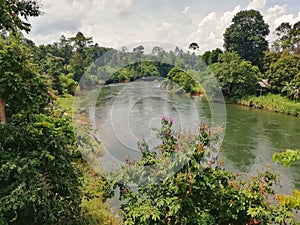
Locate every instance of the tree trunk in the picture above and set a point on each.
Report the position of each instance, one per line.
(2, 110)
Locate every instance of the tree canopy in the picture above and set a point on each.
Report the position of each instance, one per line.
(288, 38)
(237, 77)
(22, 89)
(247, 36)
(14, 14)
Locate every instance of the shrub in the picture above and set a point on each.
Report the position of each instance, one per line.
(183, 182)
(39, 182)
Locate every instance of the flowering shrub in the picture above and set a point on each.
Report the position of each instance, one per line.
(183, 182)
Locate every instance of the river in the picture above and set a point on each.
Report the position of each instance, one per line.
(126, 112)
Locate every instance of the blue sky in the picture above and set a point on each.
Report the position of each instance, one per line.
(114, 23)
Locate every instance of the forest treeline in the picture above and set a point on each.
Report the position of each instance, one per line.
(43, 177)
(247, 58)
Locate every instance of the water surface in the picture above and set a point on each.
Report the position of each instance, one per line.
(127, 112)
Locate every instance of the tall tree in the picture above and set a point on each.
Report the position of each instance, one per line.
(139, 49)
(194, 46)
(78, 61)
(295, 38)
(283, 34)
(80, 42)
(14, 14)
(65, 50)
(247, 36)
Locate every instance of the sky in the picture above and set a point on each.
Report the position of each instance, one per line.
(116, 23)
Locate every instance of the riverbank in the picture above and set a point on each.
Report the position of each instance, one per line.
(272, 102)
(94, 210)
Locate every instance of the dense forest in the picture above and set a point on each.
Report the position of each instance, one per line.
(43, 176)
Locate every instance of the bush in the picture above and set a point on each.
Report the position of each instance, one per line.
(39, 183)
(199, 191)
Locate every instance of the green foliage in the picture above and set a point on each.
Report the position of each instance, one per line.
(288, 38)
(287, 157)
(68, 84)
(269, 59)
(39, 181)
(23, 89)
(283, 40)
(135, 71)
(13, 11)
(185, 80)
(210, 57)
(93, 209)
(237, 77)
(272, 102)
(290, 201)
(77, 66)
(247, 36)
(181, 182)
(284, 76)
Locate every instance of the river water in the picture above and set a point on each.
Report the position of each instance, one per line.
(125, 113)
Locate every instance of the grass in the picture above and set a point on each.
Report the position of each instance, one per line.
(272, 102)
(65, 102)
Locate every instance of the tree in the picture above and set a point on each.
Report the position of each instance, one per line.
(158, 51)
(178, 52)
(284, 75)
(270, 57)
(139, 50)
(247, 36)
(77, 66)
(80, 42)
(194, 46)
(22, 89)
(54, 70)
(283, 34)
(288, 38)
(14, 14)
(65, 51)
(237, 77)
(184, 80)
(210, 57)
(295, 38)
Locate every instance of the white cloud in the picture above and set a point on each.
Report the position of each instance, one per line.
(257, 4)
(210, 18)
(227, 17)
(186, 10)
(122, 6)
(277, 15)
(165, 26)
(116, 22)
(209, 34)
(166, 32)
